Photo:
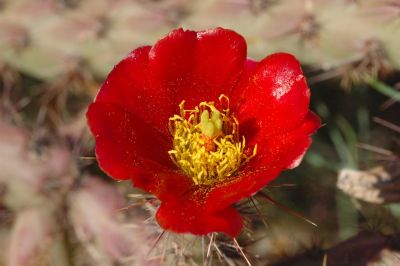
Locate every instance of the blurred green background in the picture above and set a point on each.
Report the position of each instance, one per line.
(58, 208)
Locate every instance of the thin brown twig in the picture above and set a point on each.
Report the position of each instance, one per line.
(282, 185)
(259, 212)
(130, 206)
(387, 124)
(290, 211)
(241, 251)
(164, 250)
(156, 242)
(87, 158)
(209, 245)
(375, 149)
(325, 260)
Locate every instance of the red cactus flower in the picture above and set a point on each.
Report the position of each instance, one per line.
(195, 123)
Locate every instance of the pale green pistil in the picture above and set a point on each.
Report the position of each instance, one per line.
(211, 126)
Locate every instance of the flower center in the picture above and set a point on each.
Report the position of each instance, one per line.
(206, 143)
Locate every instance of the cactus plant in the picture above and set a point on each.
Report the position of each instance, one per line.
(42, 40)
(55, 54)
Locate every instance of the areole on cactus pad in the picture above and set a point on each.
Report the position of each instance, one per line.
(196, 123)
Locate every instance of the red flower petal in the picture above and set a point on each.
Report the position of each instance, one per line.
(285, 150)
(198, 66)
(124, 143)
(131, 86)
(167, 185)
(272, 98)
(244, 185)
(189, 216)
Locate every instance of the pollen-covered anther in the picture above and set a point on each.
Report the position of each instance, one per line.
(206, 143)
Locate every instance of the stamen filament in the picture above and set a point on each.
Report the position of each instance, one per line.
(206, 145)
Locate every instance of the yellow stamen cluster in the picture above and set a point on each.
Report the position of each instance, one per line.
(206, 143)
